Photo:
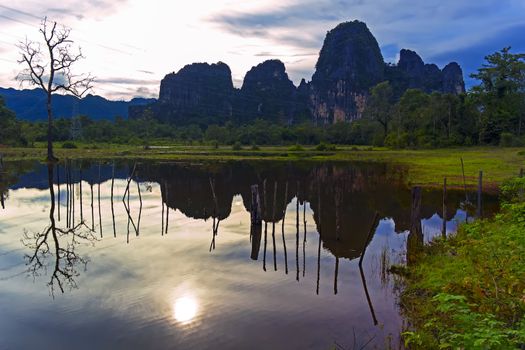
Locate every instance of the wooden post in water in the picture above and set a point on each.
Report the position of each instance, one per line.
(66, 173)
(255, 232)
(215, 213)
(58, 183)
(140, 207)
(521, 172)
(265, 225)
(273, 225)
(368, 237)
(319, 243)
(304, 239)
(167, 207)
(336, 273)
(464, 180)
(338, 199)
(126, 205)
(480, 190)
(371, 307)
(72, 194)
(444, 213)
(255, 212)
(162, 214)
(415, 237)
(92, 209)
(284, 240)
(112, 204)
(99, 210)
(80, 185)
(297, 232)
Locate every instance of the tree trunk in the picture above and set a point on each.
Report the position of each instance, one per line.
(50, 155)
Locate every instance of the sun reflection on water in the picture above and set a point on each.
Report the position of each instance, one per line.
(185, 309)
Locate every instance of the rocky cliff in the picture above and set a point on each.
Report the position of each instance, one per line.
(267, 93)
(199, 92)
(412, 73)
(350, 63)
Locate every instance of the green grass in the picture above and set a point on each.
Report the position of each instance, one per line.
(468, 292)
(425, 167)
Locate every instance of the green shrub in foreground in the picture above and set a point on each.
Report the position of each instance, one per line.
(468, 292)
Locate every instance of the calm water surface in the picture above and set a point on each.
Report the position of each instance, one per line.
(185, 270)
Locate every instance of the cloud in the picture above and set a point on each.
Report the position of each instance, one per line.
(128, 81)
(146, 92)
(445, 30)
(145, 71)
(72, 8)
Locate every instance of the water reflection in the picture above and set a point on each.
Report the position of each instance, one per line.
(185, 309)
(55, 247)
(313, 279)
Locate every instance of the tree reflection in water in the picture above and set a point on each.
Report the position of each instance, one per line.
(59, 244)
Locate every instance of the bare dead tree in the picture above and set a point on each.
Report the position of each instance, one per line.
(49, 67)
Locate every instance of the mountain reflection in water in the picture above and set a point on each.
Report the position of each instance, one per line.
(204, 267)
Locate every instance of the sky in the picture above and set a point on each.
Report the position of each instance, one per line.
(130, 45)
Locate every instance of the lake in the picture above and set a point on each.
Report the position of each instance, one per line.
(124, 255)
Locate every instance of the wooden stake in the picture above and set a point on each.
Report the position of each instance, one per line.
(319, 243)
(58, 183)
(464, 181)
(99, 210)
(444, 214)
(368, 237)
(112, 204)
(273, 225)
(255, 207)
(284, 240)
(80, 185)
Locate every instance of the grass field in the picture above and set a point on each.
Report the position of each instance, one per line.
(425, 167)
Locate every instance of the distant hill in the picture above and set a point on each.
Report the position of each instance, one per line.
(349, 65)
(30, 105)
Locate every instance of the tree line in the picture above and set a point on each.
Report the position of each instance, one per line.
(491, 113)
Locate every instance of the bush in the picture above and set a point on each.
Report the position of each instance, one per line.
(237, 146)
(397, 140)
(296, 148)
(506, 139)
(69, 145)
(255, 147)
(325, 147)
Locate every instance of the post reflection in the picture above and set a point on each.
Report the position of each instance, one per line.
(56, 248)
(341, 199)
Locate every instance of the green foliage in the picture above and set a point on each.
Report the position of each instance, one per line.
(465, 328)
(468, 292)
(380, 106)
(325, 147)
(296, 148)
(492, 113)
(501, 94)
(10, 130)
(237, 146)
(69, 145)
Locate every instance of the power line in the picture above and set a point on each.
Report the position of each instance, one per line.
(41, 18)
